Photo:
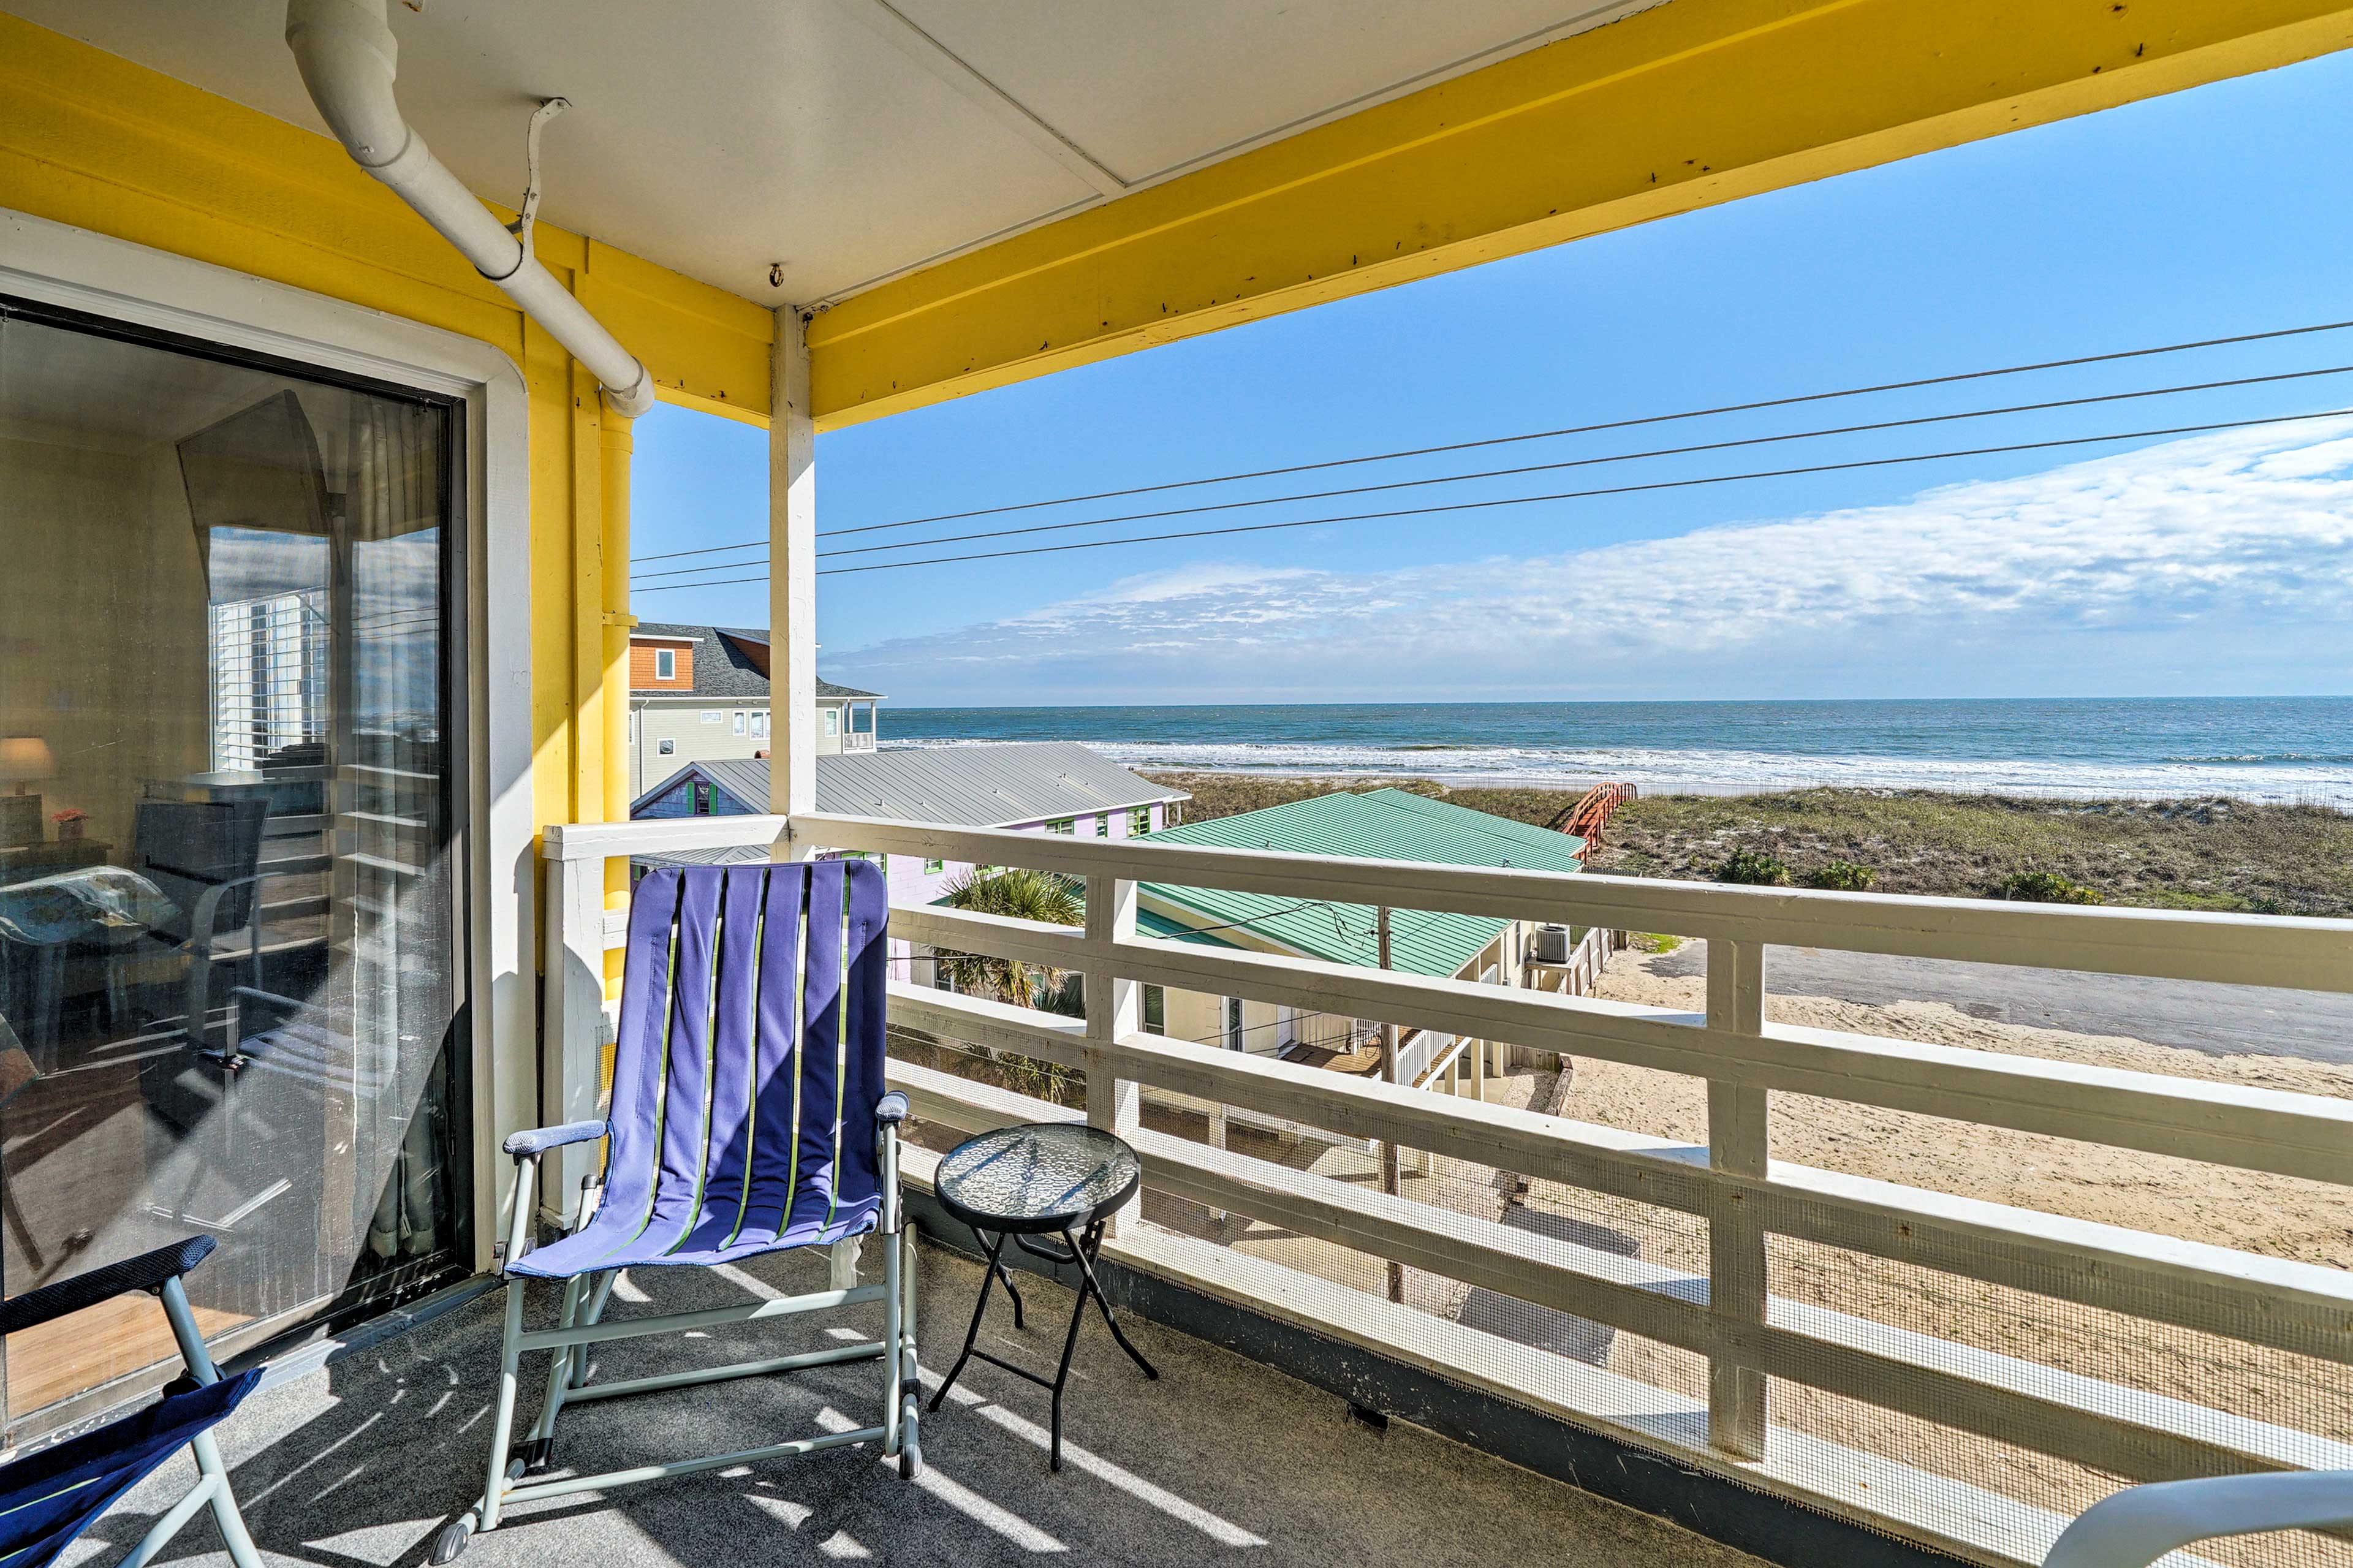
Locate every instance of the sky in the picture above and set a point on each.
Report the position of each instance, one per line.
(2200, 563)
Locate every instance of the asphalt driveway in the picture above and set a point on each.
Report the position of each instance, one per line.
(2223, 1020)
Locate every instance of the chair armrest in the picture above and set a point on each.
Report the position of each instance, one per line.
(2133, 1528)
(540, 1139)
(146, 1272)
(891, 1110)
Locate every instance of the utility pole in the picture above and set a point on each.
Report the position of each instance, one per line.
(1389, 1075)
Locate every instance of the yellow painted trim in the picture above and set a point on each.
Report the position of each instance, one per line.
(1691, 104)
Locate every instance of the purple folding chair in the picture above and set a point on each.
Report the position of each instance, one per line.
(748, 1116)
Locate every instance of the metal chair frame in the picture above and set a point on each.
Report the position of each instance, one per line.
(158, 1272)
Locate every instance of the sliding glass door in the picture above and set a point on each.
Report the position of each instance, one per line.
(231, 975)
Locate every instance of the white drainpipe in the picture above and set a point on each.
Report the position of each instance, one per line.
(348, 58)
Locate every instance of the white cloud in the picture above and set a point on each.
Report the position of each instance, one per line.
(2193, 566)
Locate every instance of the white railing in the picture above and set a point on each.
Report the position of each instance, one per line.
(1727, 1314)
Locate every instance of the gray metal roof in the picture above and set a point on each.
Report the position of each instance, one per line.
(722, 668)
(994, 786)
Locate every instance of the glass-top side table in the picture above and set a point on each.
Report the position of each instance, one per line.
(1044, 1178)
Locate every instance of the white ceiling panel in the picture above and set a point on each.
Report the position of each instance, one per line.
(1165, 86)
(850, 141)
(715, 137)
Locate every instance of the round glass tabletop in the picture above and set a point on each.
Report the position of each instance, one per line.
(1045, 1176)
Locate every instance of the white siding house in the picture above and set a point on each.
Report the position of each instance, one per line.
(700, 694)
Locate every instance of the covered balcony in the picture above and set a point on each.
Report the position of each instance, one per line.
(1684, 1323)
(316, 486)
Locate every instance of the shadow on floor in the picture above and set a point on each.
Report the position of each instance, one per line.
(1220, 1461)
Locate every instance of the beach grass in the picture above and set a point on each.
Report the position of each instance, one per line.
(2207, 853)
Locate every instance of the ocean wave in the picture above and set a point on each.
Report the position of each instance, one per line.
(2234, 759)
(2318, 779)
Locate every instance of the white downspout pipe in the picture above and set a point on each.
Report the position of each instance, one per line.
(349, 58)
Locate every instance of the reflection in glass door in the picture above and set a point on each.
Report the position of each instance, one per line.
(230, 988)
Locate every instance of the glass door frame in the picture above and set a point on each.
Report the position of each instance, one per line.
(83, 281)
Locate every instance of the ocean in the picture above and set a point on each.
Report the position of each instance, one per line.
(2257, 748)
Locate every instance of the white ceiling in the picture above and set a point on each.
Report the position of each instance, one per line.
(849, 140)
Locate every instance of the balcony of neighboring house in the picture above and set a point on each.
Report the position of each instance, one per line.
(1652, 1305)
(847, 717)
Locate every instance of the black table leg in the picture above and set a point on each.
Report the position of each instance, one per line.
(979, 1309)
(1086, 1258)
(1063, 1372)
(1079, 1250)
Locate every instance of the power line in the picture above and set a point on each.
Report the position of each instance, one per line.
(1570, 463)
(713, 550)
(1561, 495)
(1578, 495)
(1566, 430)
(1538, 468)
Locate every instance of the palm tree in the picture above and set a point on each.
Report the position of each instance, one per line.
(1018, 893)
(1021, 894)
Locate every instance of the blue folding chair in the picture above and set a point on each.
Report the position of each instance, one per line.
(748, 1116)
(50, 1496)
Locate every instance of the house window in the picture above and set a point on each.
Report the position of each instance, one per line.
(1102, 824)
(665, 748)
(882, 861)
(714, 715)
(759, 726)
(1233, 1022)
(832, 722)
(701, 794)
(1139, 822)
(933, 867)
(743, 722)
(1060, 825)
(1156, 1011)
(665, 664)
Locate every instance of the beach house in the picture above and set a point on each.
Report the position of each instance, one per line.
(322, 347)
(1377, 824)
(701, 693)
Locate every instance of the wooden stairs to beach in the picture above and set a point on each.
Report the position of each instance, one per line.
(1589, 815)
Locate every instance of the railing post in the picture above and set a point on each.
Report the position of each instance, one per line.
(1115, 1007)
(1737, 1143)
(572, 1042)
(1390, 1181)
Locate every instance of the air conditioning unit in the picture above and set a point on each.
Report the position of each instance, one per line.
(1551, 946)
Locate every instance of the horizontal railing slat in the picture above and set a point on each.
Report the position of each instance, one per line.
(2275, 950)
(2298, 1307)
(2263, 1130)
(2143, 1436)
(998, 936)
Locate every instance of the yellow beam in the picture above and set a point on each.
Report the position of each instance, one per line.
(1689, 104)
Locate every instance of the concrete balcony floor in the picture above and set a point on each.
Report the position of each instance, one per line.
(1221, 1461)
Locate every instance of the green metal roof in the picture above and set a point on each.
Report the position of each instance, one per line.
(1152, 922)
(1381, 825)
